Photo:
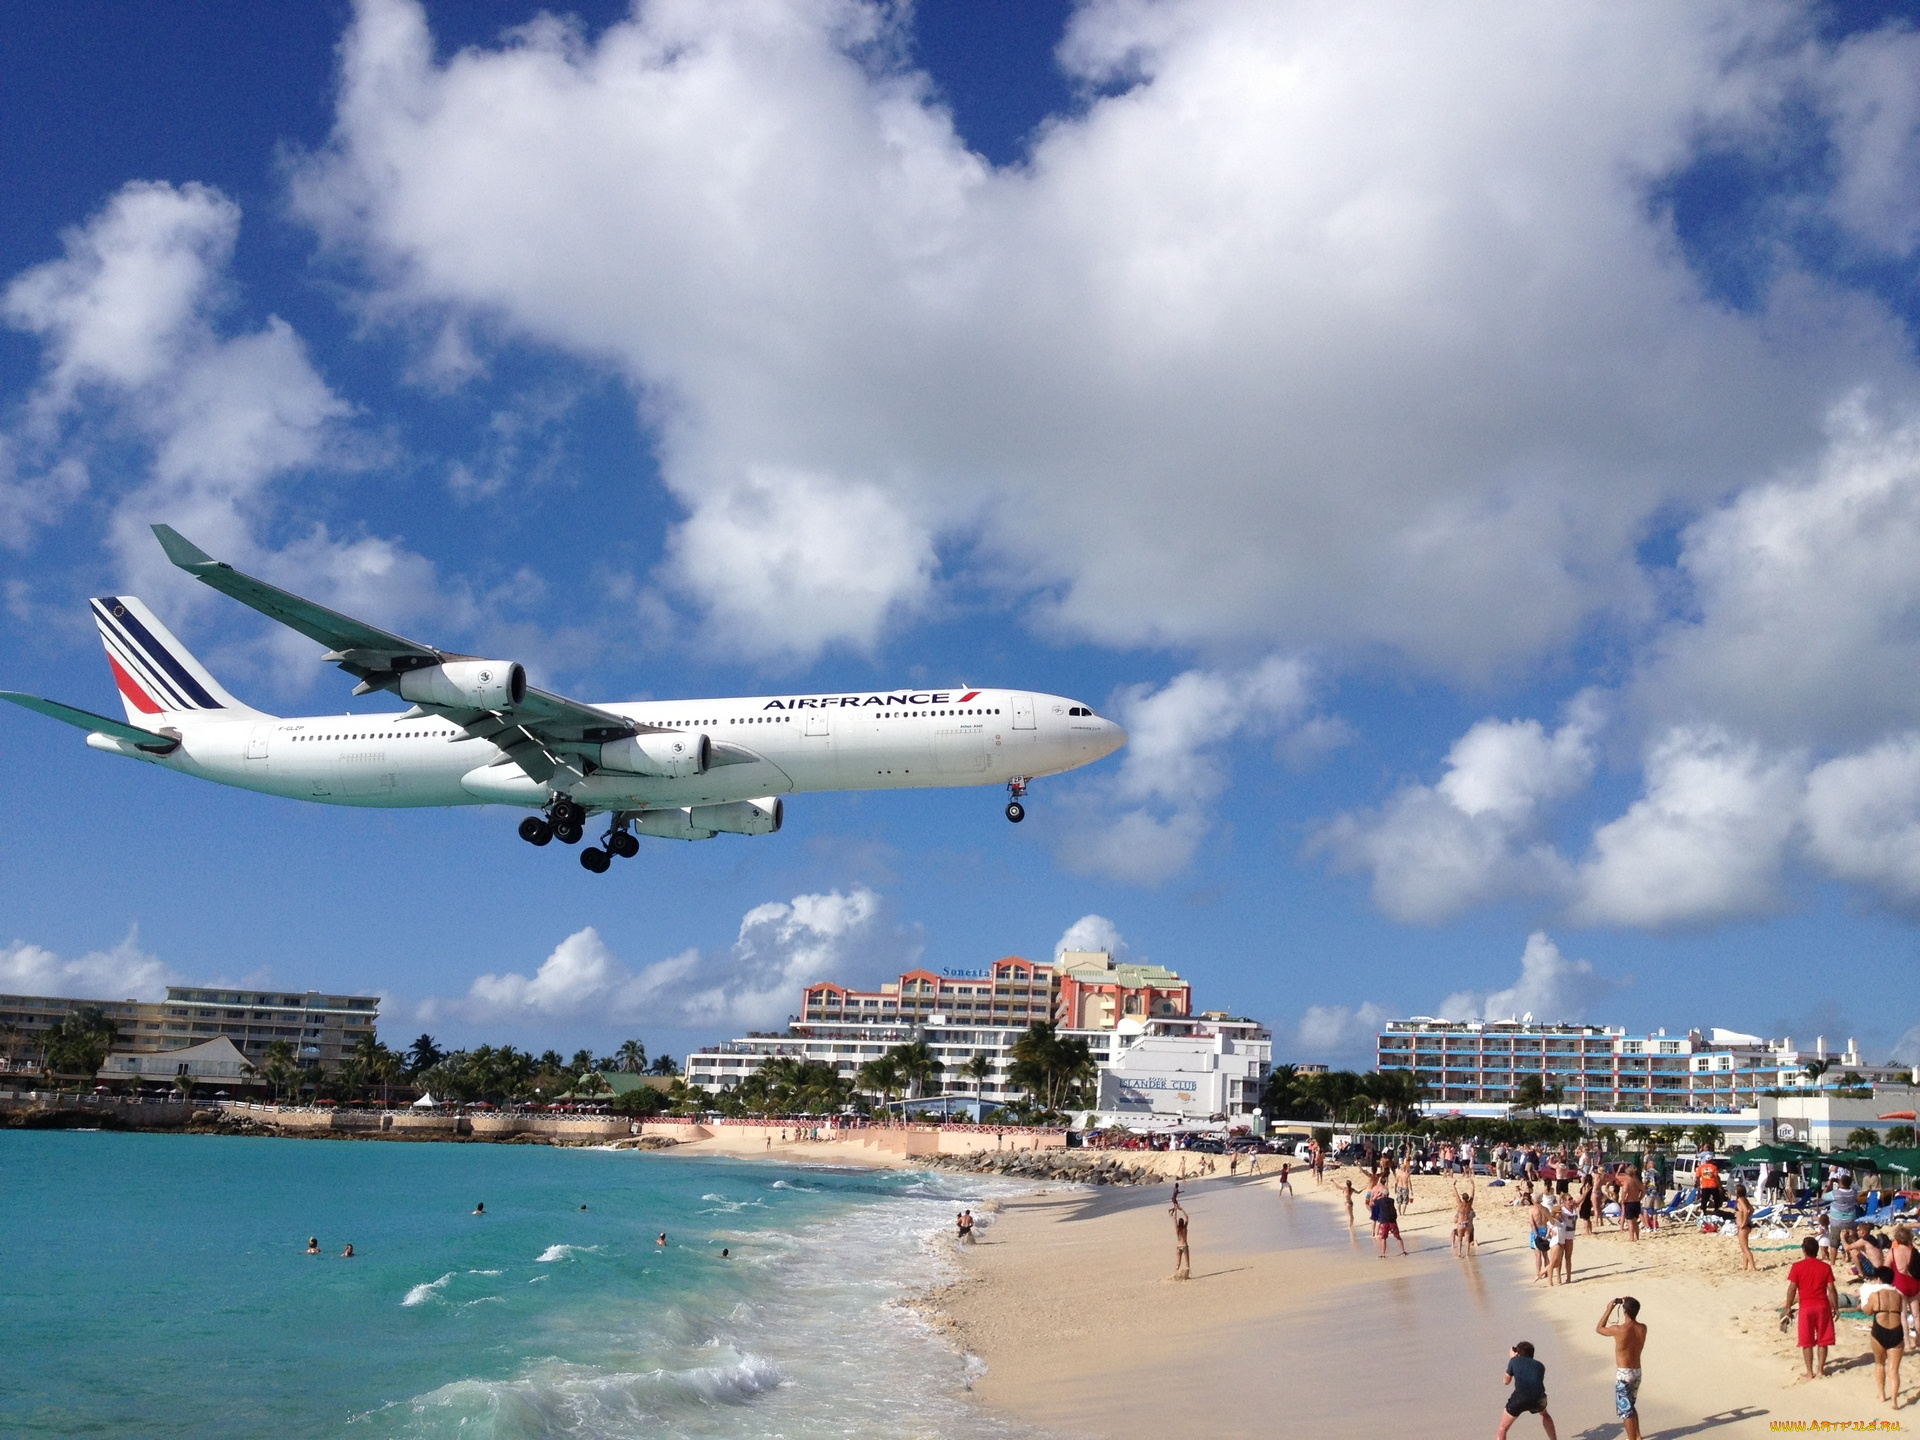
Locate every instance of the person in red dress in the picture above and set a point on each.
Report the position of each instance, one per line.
(1810, 1286)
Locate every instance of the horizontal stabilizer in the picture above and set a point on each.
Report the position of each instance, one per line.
(100, 724)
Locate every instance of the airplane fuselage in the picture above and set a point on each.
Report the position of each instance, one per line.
(764, 746)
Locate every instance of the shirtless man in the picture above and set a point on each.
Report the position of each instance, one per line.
(1182, 1257)
(1463, 1219)
(1632, 1195)
(1629, 1339)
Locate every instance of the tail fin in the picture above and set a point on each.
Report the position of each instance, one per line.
(156, 674)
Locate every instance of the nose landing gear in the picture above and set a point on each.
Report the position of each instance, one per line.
(1016, 792)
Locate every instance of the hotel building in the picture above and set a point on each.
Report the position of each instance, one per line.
(961, 1014)
(1462, 1062)
(320, 1028)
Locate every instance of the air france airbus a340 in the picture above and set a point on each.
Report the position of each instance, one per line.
(478, 734)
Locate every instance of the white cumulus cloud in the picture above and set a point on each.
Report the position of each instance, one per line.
(1474, 835)
(1145, 823)
(1552, 989)
(780, 947)
(1342, 1036)
(126, 972)
(1705, 843)
(1339, 326)
(1094, 932)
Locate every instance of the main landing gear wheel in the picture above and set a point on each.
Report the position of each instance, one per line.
(623, 844)
(595, 860)
(536, 831)
(1016, 812)
(1016, 792)
(568, 831)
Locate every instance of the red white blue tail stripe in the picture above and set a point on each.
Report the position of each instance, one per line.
(155, 673)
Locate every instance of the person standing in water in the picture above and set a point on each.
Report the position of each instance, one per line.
(481, 1208)
(1182, 1256)
(1286, 1183)
(1629, 1338)
(313, 1245)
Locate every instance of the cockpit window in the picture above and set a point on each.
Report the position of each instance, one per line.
(1078, 710)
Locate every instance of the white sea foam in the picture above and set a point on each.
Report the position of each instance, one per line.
(484, 1272)
(561, 1252)
(420, 1294)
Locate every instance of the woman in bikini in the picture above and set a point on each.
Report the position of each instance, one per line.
(1743, 1226)
(1586, 1201)
(1905, 1263)
(1463, 1219)
(1885, 1306)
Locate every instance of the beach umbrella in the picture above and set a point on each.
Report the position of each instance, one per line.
(1772, 1154)
(1884, 1158)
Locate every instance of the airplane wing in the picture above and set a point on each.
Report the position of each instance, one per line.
(158, 743)
(377, 658)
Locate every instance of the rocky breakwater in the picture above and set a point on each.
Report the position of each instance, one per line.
(1082, 1167)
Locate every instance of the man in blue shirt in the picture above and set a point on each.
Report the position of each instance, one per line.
(1529, 1380)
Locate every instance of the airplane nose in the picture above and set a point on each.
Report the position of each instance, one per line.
(1114, 738)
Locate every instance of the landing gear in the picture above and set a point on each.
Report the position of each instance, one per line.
(1016, 812)
(569, 821)
(1016, 791)
(536, 831)
(595, 860)
(622, 844)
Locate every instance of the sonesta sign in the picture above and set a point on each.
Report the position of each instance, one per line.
(849, 702)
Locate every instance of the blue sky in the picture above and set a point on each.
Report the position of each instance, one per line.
(1476, 457)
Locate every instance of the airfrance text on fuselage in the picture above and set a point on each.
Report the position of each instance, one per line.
(842, 702)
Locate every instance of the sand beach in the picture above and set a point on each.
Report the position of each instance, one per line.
(1066, 1299)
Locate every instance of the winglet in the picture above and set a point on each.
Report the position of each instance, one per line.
(180, 550)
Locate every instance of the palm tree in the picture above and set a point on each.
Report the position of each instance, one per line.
(1397, 1092)
(1815, 1069)
(1670, 1136)
(979, 1070)
(633, 1057)
(880, 1077)
(1861, 1137)
(1705, 1137)
(919, 1067)
(1640, 1136)
(1530, 1093)
(1048, 1067)
(184, 1083)
(278, 1067)
(663, 1064)
(424, 1054)
(1900, 1137)
(78, 1045)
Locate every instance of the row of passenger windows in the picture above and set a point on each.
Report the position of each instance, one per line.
(383, 735)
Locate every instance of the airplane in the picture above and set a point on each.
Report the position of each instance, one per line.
(479, 734)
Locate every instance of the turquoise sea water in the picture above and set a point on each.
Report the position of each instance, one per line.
(157, 1286)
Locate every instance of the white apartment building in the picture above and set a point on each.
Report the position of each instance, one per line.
(1466, 1062)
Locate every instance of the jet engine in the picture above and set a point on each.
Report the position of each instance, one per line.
(669, 824)
(741, 817)
(665, 756)
(466, 685)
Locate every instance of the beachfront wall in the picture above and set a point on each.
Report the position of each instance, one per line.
(1824, 1121)
(413, 1124)
(749, 1137)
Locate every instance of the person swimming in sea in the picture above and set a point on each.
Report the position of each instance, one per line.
(347, 1254)
(662, 1241)
(481, 1208)
(723, 1252)
(313, 1245)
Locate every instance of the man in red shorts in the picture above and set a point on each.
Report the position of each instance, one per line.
(1810, 1284)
